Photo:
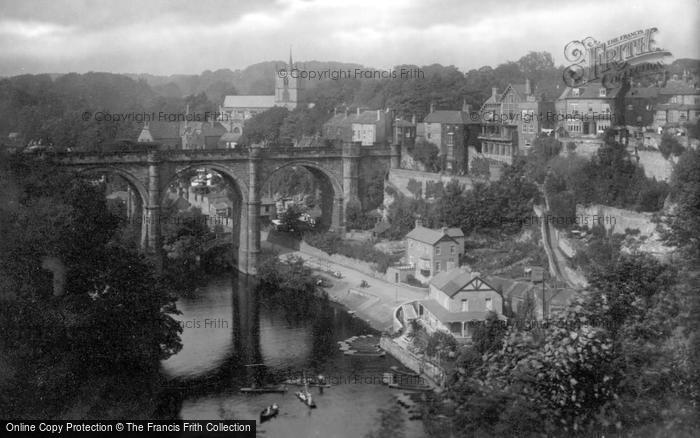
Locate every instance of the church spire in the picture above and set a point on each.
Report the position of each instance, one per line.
(290, 56)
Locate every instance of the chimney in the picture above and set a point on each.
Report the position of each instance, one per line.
(528, 90)
(465, 107)
(379, 115)
(419, 223)
(335, 111)
(494, 91)
(432, 107)
(358, 110)
(444, 230)
(413, 118)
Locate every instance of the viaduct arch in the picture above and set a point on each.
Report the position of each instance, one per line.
(150, 172)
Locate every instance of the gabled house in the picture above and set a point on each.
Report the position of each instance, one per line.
(457, 300)
(512, 120)
(587, 110)
(451, 132)
(165, 133)
(432, 251)
(201, 135)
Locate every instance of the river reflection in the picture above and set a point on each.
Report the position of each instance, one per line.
(232, 338)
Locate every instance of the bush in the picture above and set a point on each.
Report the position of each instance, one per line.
(412, 281)
(332, 243)
(670, 146)
(440, 343)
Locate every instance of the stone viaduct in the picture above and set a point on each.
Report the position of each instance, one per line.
(150, 172)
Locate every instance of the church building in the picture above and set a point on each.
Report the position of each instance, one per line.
(237, 109)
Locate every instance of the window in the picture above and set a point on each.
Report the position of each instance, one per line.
(602, 92)
(450, 139)
(428, 136)
(452, 249)
(465, 305)
(437, 250)
(437, 267)
(574, 92)
(489, 304)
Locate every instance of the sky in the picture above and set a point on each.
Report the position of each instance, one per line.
(187, 37)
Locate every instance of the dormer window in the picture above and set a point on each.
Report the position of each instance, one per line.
(602, 92)
(574, 92)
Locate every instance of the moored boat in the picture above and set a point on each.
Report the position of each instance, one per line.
(305, 397)
(410, 387)
(269, 413)
(264, 389)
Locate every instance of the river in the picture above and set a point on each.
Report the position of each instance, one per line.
(232, 338)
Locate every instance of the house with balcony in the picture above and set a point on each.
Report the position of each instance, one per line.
(511, 120)
(457, 301)
(587, 110)
(430, 251)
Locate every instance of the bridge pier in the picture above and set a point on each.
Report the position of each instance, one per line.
(351, 172)
(338, 218)
(154, 244)
(248, 256)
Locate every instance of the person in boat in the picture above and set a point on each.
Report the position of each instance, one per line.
(321, 382)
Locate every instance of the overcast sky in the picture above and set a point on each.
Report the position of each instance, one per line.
(166, 37)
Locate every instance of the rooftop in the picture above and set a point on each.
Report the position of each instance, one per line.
(249, 101)
(445, 316)
(431, 237)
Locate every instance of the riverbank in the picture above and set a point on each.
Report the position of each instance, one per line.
(374, 303)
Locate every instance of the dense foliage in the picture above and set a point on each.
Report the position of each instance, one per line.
(332, 243)
(113, 316)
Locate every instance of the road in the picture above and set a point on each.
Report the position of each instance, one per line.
(374, 303)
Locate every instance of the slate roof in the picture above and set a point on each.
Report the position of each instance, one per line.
(675, 87)
(431, 237)
(450, 282)
(445, 316)
(249, 101)
(590, 90)
(518, 289)
(369, 117)
(446, 116)
(643, 92)
(160, 130)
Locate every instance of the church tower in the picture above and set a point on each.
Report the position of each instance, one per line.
(288, 89)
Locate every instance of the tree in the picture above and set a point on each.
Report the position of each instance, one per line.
(426, 153)
(670, 146)
(415, 187)
(113, 319)
(264, 127)
(684, 225)
(480, 168)
(488, 337)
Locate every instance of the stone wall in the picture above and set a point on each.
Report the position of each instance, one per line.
(399, 178)
(358, 265)
(417, 364)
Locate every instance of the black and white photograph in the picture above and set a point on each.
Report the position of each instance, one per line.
(356, 219)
